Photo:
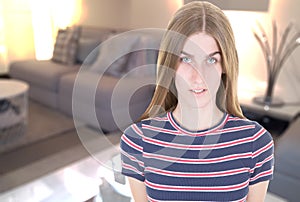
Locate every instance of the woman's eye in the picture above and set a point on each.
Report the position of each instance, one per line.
(211, 60)
(186, 59)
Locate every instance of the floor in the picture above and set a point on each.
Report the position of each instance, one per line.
(90, 179)
(67, 168)
(60, 167)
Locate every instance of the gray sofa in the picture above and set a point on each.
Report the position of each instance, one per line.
(108, 86)
(286, 181)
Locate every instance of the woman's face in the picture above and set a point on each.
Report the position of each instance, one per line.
(198, 75)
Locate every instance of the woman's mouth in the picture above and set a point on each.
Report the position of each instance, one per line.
(198, 91)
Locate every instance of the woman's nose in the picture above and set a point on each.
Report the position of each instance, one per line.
(197, 74)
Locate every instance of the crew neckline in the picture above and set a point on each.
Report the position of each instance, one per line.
(183, 130)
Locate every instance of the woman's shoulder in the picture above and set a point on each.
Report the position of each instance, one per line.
(237, 121)
(250, 127)
(137, 127)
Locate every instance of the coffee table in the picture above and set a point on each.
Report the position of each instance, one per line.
(13, 109)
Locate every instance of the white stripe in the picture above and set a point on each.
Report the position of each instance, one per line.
(198, 161)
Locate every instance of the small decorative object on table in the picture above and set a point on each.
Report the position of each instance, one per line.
(275, 58)
(13, 109)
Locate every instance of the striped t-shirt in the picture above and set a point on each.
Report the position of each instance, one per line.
(217, 164)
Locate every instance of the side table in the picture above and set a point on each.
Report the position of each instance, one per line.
(274, 119)
(13, 109)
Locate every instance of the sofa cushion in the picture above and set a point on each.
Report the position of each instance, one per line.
(65, 47)
(103, 89)
(143, 59)
(114, 54)
(87, 50)
(140, 65)
(287, 153)
(44, 74)
(112, 96)
(286, 180)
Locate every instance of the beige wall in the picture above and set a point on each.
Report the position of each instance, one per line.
(156, 13)
(128, 13)
(17, 17)
(253, 72)
(152, 14)
(105, 13)
(17, 34)
(284, 12)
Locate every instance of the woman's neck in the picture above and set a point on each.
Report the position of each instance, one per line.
(197, 118)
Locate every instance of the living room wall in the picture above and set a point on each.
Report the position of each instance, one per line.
(16, 33)
(128, 13)
(253, 71)
(154, 13)
(289, 80)
(104, 13)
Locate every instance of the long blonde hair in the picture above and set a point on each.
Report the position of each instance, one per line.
(193, 18)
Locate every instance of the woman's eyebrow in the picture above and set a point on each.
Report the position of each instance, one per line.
(188, 54)
(214, 53)
(210, 55)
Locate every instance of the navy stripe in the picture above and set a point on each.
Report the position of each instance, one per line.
(209, 165)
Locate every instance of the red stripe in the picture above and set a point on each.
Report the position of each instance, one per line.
(137, 130)
(263, 149)
(184, 160)
(157, 129)
(235, 119)
(131, 144)
(132, 158)
(259, 164)
(210, 146)
(262, 174)
(173, 123)
(198, 188)
(160, 118)
(129, 167)
(239, 128)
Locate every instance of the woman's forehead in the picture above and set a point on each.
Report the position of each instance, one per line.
(200, 43)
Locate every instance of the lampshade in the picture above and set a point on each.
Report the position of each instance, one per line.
(242, 5)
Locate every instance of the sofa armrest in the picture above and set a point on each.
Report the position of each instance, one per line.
(286, 180)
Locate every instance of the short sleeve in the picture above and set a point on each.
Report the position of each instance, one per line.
(262, 156)
(132, 153)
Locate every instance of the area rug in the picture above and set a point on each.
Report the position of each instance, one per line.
(43, 122)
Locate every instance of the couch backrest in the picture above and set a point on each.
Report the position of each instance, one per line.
(90, 38)
(98, 33)
(143, 50)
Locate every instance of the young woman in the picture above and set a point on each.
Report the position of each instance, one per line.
(193, 142)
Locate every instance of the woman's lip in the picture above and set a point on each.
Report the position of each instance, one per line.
(198, 91)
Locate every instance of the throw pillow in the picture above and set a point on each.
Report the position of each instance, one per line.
(65, 47)
(114, 53)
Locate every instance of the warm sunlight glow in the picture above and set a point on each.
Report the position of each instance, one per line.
(2, 43)
(42, 29)
(248, 49)
(2, 49)
(249, 87)
(47, 17)
(178, 3)
(66, 12)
